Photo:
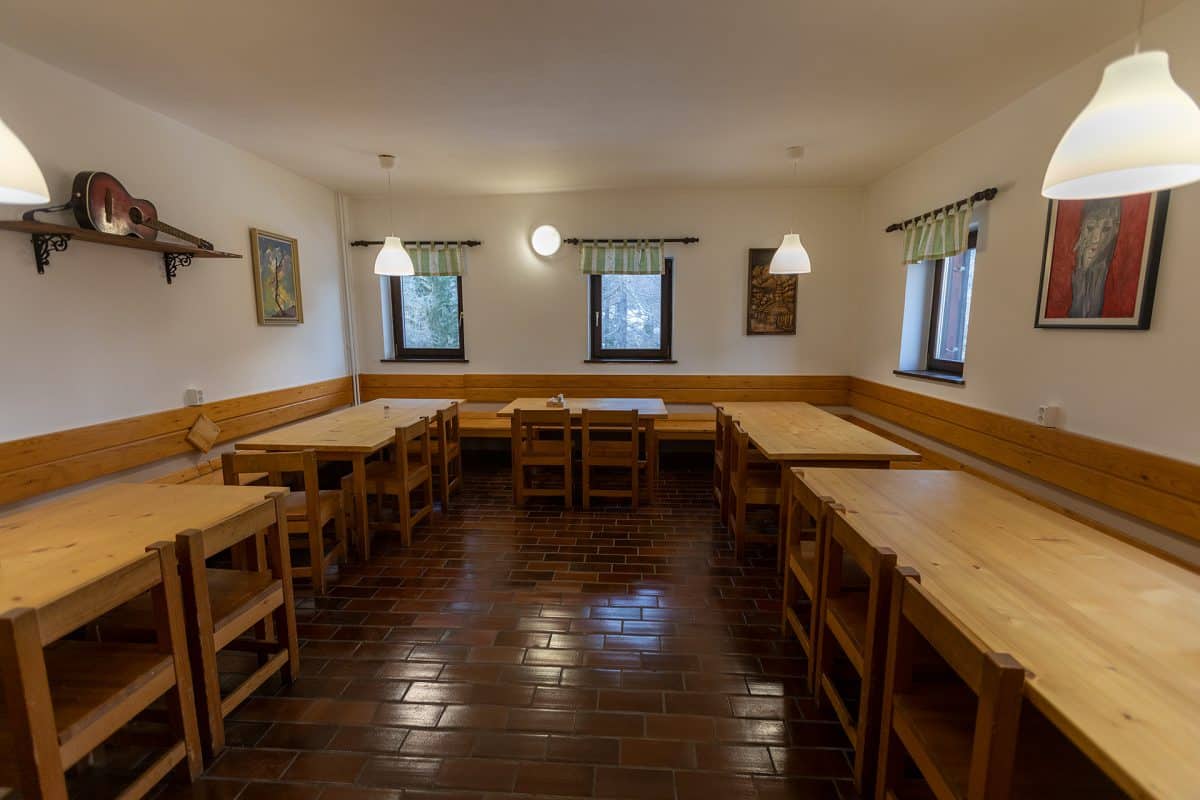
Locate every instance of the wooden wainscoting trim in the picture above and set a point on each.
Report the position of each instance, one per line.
(485, 388)
(1155, 488)
(55, 460)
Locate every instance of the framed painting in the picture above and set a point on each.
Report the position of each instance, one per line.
(771, 299)
(276, 263)
(1100, 262)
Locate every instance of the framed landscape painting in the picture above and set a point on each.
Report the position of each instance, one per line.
(1100, 262)
(276, 262)
(770, 299)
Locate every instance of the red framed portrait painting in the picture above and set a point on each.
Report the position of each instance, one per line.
(1100, 262)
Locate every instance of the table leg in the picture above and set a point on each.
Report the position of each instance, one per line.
(651, 459)
(362, 529)
(785, 494)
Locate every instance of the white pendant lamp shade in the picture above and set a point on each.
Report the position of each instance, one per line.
(21, 182)
(1140, 133)
(791, 258)
(393, 259)
(546, 240)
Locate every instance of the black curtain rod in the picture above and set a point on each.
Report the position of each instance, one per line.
(978, 197)
(675, 240)
(463, 242)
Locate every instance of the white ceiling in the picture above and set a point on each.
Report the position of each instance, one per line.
(545, 95)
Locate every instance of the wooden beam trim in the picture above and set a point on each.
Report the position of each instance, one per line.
(1148, 503)
(1152, 470)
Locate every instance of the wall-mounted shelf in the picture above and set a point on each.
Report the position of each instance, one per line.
(48, 237)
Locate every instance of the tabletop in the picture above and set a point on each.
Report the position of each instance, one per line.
(1106, 630)
(49, 550)
(794, 431)
(364, 428)
(649, 407)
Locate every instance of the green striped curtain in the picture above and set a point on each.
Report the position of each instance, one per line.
(437, 259)
(621, 258)
(939, 235)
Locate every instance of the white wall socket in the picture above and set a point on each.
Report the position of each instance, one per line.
(193, 397)
(1049, 416)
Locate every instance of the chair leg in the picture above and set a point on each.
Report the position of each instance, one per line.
(585, 483)
(429, 493)
(633, 475)
(739, 527)
(339, 527)
(445, 465)
(30, 710)
(404, 502)
(316, 555)
(568, 487)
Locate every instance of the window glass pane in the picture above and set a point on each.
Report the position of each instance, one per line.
(958, 275)
(430, 306)
(631, 312)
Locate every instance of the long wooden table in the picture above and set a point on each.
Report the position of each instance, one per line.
(1109, 633)
(352, 434)
(649, 409)
(800, 434)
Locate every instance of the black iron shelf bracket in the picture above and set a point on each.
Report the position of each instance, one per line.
(452, 243)
(44, 244)
(634, 239)
(173, 261)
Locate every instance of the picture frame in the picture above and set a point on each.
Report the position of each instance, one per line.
(1100, 261)
(770, 299)
(275, 260)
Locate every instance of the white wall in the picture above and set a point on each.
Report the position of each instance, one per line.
(101, 335)
(1136, 388)
(528, 314)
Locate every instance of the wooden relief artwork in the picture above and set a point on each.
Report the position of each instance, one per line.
(771, 299)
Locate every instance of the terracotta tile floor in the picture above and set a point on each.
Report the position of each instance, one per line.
(607, 653)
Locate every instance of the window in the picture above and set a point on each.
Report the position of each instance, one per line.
(631, 316)
(951, 311)
(427, 318)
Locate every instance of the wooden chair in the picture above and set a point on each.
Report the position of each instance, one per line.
(609, 440)
(409, 471)
(447, 453)
(855, 589)
(541, 439)
(64, 699)
(721, 463)
(953, 710)
(309, 511)
(748, 486)
(803, 548)
(248, 609)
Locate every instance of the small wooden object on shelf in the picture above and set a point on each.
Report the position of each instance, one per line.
(48, 237)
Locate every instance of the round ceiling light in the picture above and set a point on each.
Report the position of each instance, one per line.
(546, 240)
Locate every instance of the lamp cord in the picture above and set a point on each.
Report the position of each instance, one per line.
(1137, 43)
(391, 208)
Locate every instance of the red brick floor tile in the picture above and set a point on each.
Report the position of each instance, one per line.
(654, 753)
(326, 767)
(252, 764)
(477, 773)
(712, 785)
(637, 784)
(438, 743)
(734, 758)
(525, 746)
(584, 749)
(574, 780)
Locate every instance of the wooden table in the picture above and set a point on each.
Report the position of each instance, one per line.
(1108, 632)
(352, 434)
(58, 558)
(649, 409)
(800, 434)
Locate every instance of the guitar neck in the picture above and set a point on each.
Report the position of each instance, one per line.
(171, 230)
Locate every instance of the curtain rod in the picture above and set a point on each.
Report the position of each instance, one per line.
(453, 243)
(674, 240)
(980, 196)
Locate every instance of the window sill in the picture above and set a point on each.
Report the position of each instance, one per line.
(427, 359)
(931, 375)
(630, 361)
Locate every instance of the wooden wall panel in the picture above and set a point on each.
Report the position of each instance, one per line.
(483, 388)
(63, 458)
(1160, 490)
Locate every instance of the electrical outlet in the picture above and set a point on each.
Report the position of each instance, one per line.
(1049, 416)
(193, 397)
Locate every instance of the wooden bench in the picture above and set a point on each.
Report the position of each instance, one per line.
(207, 472)
(484, 425)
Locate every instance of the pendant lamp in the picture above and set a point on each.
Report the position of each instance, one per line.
(1140, 133)
(393, 259)
(21, 182)
(791, 258)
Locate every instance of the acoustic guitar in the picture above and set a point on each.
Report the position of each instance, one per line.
(101, 203)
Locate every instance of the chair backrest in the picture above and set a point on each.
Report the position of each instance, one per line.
(528, 425)
(738, 443)
(616, 427)
(276, 465)
(996, 678)
(722, 433)
(448, 425)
